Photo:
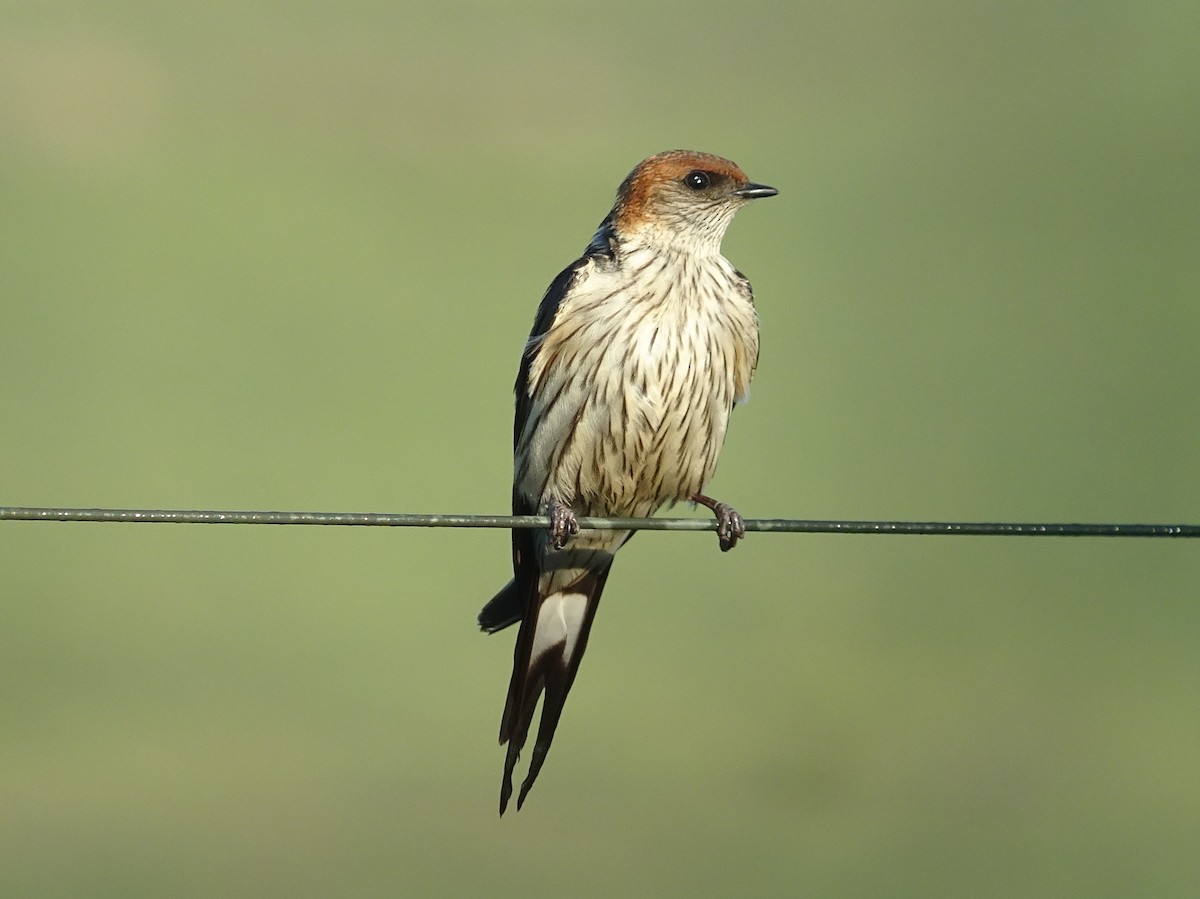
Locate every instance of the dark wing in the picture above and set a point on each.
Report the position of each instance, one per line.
(601, 248)
(508, 606)
(552, 667)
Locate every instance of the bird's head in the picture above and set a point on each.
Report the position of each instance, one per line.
(682, 197)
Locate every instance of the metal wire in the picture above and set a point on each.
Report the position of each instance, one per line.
(777, 525)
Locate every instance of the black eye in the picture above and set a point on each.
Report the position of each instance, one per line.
(697, 180)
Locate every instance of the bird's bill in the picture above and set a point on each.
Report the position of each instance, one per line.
(755, 191)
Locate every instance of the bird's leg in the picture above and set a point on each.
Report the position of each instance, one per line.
(563, 525)
(730, 526)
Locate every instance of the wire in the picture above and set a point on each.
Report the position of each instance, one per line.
(776, 525)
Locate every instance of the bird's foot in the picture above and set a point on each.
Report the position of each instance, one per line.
(563, 525)
(731, 527)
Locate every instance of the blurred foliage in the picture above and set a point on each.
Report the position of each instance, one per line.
(284, 256)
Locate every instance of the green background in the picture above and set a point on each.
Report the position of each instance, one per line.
(266, 255)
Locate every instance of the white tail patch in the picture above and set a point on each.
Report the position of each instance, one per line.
(560, 618)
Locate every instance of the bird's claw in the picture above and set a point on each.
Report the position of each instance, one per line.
(563, 525)
(731, 527)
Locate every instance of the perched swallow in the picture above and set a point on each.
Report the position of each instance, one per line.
(639, 351)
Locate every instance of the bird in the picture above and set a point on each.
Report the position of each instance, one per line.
(639, 350)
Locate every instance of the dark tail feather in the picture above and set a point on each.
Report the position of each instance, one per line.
(557, 627)
(502, 610)
(506, 607)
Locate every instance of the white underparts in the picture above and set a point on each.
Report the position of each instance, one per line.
(560, 619)
(630, 389)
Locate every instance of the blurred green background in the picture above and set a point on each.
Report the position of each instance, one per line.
(271, 256)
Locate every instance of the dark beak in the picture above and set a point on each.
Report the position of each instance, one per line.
(755, 191)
